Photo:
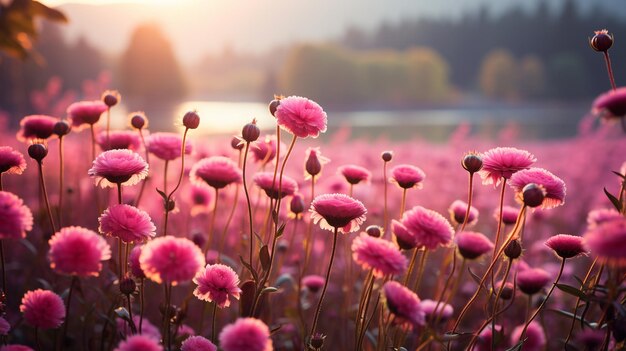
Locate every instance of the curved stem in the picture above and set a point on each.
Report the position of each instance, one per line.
(582, 286)
(212, 224)
(495, 303)
(214, 325)
(330, 266)
(385, 211)
(308, 247)
(543, 303)
(228, 221)
(45, 196)
(143, 183)
(67, 308)
(61, 175)
(469, 202)
(609, 69)
(411, 266)
(249, 205)
(141, 305)
(420, 272)
(182, 166)
(280, 178)
(434, 315)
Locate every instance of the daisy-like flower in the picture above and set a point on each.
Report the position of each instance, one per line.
(266, 181)
(119, 139)
(535, 339)
(404, 305)
(78, 251)
(167, 146)
(216, 172)
(301, 117)
(314, 162)
(127, 223)
(171, 260)
(457, 213)
(429, 227)
(139, 343)
(215, 282)
(197, 343)
(11, 161)
(380, 255)
(354, 174)
(472, 244)
(611, 104)
(405, 238)
(608, 241)
(115, 167)
(407, 176)
(86, 113)
(338, 211)
(36, 127)
(43, 309)
(566, 246)
(501, 162)
(246, 334)
(530, 281)
(313, 282)
(15, 218)
(554, 187)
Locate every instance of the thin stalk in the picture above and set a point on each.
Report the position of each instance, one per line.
(495, 303)
(369, 280)
(420, 272)
(469, 202)
(4, 274)
(45, 195)
(308, 247)
(143, 183)
(609, 69)
(582, 286)
(165, 169)
(108, 128)
(130, 310)
(214, 325)
(366, 304)
(68, 308)
(228, 220)
(411, 266)
(435, 316)
(403, 203)
(93, 142)
(351, 189)
(330, 266)
(37, 339)
(499, 230)
(141, 304)
(1, 186)
(212, 223)
(245, 190)
(543, 303)
(385, 211)
(61, 175)
(180, 180)
(168, 319)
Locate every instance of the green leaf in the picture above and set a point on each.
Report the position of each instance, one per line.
(619, 175)
(571, 315)
(249, 267)
(163, 195)
(269, 290)
(516, 347)
(264, 256)
(614, 200)
(123, 313)
(280, 230)
(275, 329)
(568, 289)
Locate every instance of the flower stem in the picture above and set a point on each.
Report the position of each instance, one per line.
(143, 183)
(214, 325)
(61, 175)
(67, 308)
(4, 274)
(45, 195)
(385, 211)
(411, 266)
(420, 272)
(249, 205)
(330, 266)
(1, 186)
(403, 203)
(582, 286)
(93, 142)
(469, 202)
(212, 223)
(609, 69)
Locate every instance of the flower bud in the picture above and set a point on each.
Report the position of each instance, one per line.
(37, 152)
(127, 286)
(236, 143)
(61, 128)
(507, 291)
(601, 41)
(138, 120)
(250, 132)
(317, 341)
(297, 205)
(191, 120)
(374, 230)
(513, 250)
(198, 239)
(313, 166)
(387, 156)
(282, 246)
(533, 195)
(111, 98)
(472, 162)
(274, 105)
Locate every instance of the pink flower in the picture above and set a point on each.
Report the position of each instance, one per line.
(313, 282)
(404, 305)
(43, 309)
(457, 213)
(380, 255)
(566, 246)
(314, 162)
(15, 347)
(405, 238)
(171, 260)
(197, 343)
(611, 104)
(553, 185)
(147, 328)
(472, 244)
(407, 176)
(118, 167)
(36, 127)
(119, 139)
(502, 162)
(338, 211)
(608, 240)
(139, 343)
(266, 181)
(509, 214)
(15, 218)
(532, 280)
(354, 174)
(78, 251)
(265, 151)
(301, 117)
(429, 227)
(11, 161)
(246, 334)
(215, 283)
(201, 199)
(133, 260)
(86, 112)
(428, 306)
(535, 337)
(127, 223)
(216, 171)
(5, 327)
(485, 338)
(597, 217)
(167, 146)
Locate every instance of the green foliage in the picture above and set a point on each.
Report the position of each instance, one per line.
(502, 76)
(341, 77)
(17, 25)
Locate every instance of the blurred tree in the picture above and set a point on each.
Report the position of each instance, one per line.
(498, 77)
(427, 75)
(567, 75)
(148, 69)
(532, 77)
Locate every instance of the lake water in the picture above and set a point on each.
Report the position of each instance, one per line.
(227, 118)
